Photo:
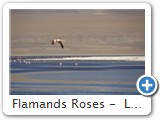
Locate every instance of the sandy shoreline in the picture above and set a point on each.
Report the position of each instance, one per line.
(28, 84)
(23, 78)
(107, 58)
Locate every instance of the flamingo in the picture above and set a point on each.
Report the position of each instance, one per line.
(60, 41)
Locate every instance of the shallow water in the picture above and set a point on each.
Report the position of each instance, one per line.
(76, 77)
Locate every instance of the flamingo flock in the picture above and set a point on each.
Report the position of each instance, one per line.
(29, 61)
(35, 60)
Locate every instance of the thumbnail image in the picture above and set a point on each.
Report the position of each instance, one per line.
(76, 51)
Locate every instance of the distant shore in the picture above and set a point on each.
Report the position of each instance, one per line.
(107, 58)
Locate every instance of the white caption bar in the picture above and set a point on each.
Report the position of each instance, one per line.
(78, 105)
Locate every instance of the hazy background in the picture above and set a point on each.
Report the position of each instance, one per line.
(93, 32)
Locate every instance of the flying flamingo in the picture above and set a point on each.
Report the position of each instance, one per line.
(60, 41)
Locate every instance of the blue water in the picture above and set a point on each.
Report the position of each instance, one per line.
(85, 78)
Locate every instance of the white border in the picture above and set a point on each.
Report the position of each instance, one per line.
(7, 98)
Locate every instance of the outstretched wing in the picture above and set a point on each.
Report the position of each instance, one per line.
(60, 42)
(52, 42)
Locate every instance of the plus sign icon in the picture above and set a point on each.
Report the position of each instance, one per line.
(147, 85)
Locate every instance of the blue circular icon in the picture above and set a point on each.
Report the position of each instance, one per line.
(147, 85)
